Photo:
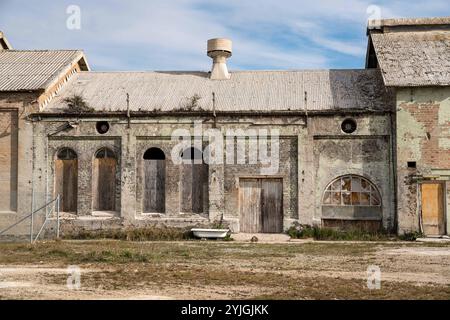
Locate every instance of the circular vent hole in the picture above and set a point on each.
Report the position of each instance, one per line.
(102, 127)
(348, 126)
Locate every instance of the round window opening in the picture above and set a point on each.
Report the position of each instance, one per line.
(102, 127)
(348, 126)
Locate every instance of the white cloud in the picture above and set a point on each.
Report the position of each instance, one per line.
(164, 35)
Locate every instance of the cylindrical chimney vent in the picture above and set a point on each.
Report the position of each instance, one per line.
(219, 50)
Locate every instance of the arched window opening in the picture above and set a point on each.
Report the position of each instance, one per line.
(154, 169)
(104, 180)
(154, 154)
(105, 153)
(352, 202)
(66, 154)
(194, 181)
(352, 190)
(66, 179)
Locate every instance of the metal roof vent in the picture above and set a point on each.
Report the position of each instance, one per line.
(219, 50)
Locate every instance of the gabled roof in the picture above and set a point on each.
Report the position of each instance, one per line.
(28, 70)
(4, 44)
(412, 52)
(246, 91)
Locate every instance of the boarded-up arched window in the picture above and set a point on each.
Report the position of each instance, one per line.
(66, 179)
(154, 181)
(352, 202)
(351, 191)
(104, 180)
(194, 181)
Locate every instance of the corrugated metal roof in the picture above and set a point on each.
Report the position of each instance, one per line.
(409, 59)
(34, 70)
(262, 91)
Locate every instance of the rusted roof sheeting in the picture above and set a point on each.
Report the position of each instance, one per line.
(260, 91)
(34, 70)
(410, 59)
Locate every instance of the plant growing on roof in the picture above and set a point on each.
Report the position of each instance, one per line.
(191, 104)
(77, 104)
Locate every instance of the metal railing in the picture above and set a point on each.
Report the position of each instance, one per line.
(48, 214)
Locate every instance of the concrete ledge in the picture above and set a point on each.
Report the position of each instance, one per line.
(262, 237)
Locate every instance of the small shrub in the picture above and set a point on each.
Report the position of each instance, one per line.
(299, 231)
(410, 236)
(228, 237)
(77, 104)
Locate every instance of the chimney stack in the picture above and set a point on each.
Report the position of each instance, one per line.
(219, 50)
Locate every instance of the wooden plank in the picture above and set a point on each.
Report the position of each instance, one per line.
(271, 206)
(106, 184)
(250, 205)
(433, 208)
(194, 182)
(186, 188)
(66, 184)
(154, 186)
(197, 187)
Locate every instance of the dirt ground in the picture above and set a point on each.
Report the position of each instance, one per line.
(224, 270)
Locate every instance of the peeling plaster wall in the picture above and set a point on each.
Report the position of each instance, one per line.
(20, 152)
(313, 152)
(366, 152)
(423, 135)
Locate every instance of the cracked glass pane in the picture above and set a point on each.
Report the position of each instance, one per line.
(327, 198)
(355, 198)
(346, 198)
(336, 198)
(365, 199)
(347, 183)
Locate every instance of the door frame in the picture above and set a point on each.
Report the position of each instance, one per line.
(443, 184)
(260, 178)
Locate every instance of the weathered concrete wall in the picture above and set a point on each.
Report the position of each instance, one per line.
(423, 136)
(313, 152)
(17, 133)
(366, 152)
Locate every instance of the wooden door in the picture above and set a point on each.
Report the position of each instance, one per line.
(261, 205)
(154, 185)
(271, 205)
(105, 185)
(194, 178)
(433, 208)
(250, 205)
(66, 177)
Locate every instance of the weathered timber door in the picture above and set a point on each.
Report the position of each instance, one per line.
(66, 179)
(154, 186)
(433, 208)
(66, 173)
(261, 205)
(104, 177)
(192, 187)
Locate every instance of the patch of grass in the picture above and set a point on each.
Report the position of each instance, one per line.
(330, 234)
(133, 234)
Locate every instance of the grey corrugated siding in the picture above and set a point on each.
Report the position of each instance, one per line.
(261, 91)
(31, 70)
(409, 59)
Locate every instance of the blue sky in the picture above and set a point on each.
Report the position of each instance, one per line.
(171, 35)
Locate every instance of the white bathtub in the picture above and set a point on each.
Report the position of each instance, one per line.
(210, 233)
